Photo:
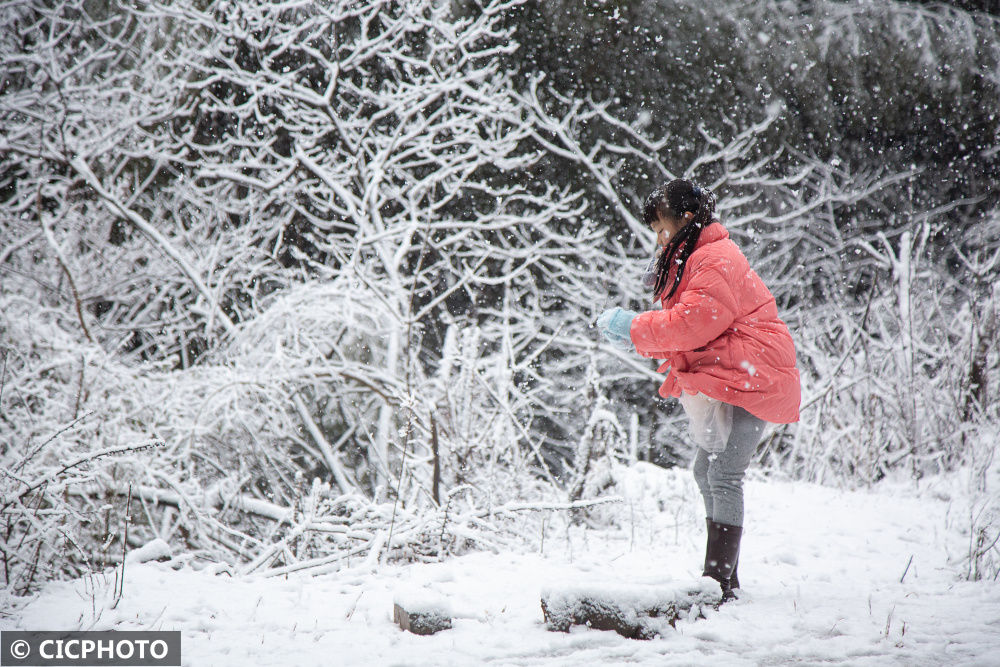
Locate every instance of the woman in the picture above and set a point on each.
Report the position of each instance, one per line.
(731, 359)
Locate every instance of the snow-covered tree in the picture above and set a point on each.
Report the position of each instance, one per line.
(268, 216)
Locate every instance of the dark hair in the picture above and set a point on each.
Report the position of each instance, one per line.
(672, 200)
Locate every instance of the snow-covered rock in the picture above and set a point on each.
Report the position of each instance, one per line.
(421, 611)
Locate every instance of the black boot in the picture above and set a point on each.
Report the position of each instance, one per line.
(721, 555)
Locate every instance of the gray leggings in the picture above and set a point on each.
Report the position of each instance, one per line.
(720, 476)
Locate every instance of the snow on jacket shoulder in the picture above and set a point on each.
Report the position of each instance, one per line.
(721, 335)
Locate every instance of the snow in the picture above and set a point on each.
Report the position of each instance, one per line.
(155, 549)
(822, 571)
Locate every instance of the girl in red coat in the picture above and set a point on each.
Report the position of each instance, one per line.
(731, 360)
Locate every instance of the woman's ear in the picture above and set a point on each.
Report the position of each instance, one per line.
(688, 216)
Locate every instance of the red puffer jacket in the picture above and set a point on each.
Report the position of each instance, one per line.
(721, 335)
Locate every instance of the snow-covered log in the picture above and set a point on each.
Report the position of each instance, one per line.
(637, 612)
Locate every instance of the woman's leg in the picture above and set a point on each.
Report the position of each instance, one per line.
(700, 470)
(725, 471)
(725, 478)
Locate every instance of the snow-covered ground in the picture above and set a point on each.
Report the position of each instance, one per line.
(822, 571)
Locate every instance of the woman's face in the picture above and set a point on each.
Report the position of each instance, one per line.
(666, 227)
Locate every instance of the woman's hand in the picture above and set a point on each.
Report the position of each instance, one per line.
(614, 325)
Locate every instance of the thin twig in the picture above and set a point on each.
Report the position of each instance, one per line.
(907, 569)
(399, 484)
(3, 374)
(120, 587)
(51, 239)
(109, 451)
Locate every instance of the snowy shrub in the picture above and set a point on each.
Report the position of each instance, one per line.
(598, 461)
(64, 439)
(600, 448)
(251, 247)
(983, 558)
(253, 463)
(984, 541)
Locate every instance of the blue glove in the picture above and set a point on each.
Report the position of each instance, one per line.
(615, 324)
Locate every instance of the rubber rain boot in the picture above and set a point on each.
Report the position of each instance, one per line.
(721, 554)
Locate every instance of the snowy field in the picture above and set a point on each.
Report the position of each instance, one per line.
(823, 573)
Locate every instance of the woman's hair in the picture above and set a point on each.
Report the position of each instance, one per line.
(672, 200)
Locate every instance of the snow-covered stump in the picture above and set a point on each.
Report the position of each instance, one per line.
(636, 612)
(421, 613)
